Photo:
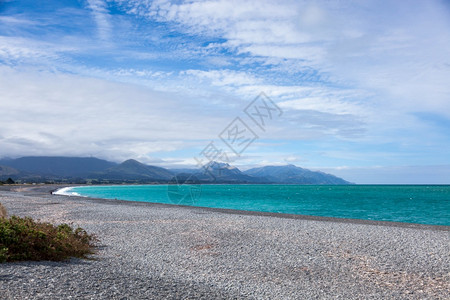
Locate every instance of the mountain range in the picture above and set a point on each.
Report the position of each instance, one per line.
(94, 170)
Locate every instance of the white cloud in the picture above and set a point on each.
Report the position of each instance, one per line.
(69, 114)
(341, 71)
(13, 49)
(101, 16)
(399, 52)
(225, 77)
(328, 105)
(12, 21)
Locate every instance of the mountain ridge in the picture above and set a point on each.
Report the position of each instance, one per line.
(58, 165)
(133, 170)
(291, 174)
(94, 170)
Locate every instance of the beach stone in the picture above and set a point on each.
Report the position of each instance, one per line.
(157, 251)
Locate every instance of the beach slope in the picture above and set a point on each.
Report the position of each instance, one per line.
(163, 251)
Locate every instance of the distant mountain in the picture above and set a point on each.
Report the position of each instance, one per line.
(6, 172)
(223, 172)
(134, 170)
(90, 169)
(291, 174)
(58, 166)
(184, 171)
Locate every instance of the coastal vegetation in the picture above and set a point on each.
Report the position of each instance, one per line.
(8, 181)
(26, 239)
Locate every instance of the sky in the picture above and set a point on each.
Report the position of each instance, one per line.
(359, 89)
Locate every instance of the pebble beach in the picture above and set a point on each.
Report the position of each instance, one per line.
(158, 251)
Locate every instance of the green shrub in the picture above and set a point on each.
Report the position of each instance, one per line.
(26, 239)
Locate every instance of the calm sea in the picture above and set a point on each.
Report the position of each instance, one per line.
(425, 204)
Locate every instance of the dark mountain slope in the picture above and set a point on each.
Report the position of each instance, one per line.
(58, 166)
(134, 170)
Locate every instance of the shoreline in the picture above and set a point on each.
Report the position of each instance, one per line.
(270, 214)
(160, 251)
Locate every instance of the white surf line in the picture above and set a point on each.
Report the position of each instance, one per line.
(66, 192)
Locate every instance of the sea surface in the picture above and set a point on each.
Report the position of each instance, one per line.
(424, 204)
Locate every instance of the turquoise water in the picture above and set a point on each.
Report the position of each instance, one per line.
(403, 203)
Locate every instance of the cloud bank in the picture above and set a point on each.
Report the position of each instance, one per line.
(361, 85)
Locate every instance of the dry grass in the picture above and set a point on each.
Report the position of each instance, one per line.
(3, 212)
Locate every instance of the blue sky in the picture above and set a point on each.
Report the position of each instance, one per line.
(364, 88)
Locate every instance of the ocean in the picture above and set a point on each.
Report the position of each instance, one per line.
(424, 204)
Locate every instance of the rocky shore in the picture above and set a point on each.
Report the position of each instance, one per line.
(155, 251)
